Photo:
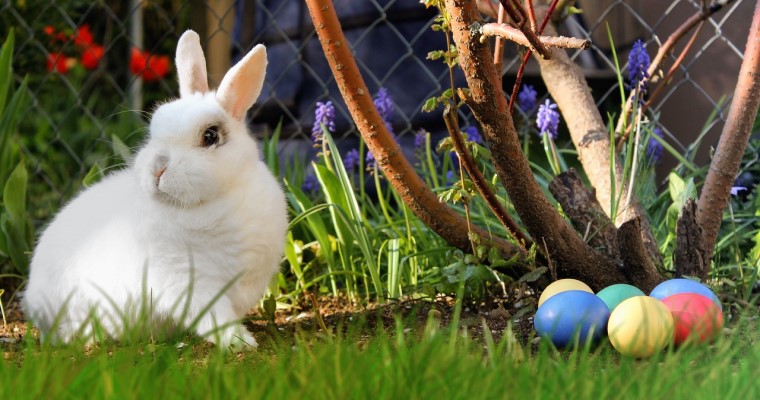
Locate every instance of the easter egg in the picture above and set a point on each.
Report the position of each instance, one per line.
(571, 314)
(615, 294)
(695, 316)
(681, 285)
(640, 326)
(562, 285)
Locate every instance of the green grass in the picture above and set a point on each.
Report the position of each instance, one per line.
(397, 365)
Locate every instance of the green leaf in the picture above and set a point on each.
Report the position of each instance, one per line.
(430, 104)
(121, 149)
(14, 194)
(6, 68)
(533, 276)
(17, 246)
(676, 186)
(270, 149)
(94, 175)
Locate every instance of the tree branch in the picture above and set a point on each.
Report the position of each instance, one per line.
(562, 244)
(507, 32)
(410, 187)
(733, 140)
(480, 182)
(675, 37)
(568, 87)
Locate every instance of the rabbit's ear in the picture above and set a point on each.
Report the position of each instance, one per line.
(242, 84)
(191, 65)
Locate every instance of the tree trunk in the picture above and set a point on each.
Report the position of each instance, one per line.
(568, 87)
(733, 140)
(554, 236)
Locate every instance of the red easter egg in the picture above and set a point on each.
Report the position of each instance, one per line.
(695, 316)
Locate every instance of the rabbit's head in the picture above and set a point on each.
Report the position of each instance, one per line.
(199, 146)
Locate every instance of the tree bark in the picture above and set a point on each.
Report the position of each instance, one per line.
(689, 256)
(549, 230)
(568, 87)
(733, 140)
(586, 214)
(390, 159)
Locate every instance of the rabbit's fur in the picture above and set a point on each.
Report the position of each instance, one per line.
(197, 215)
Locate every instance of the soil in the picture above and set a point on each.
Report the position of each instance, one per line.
(337, 314)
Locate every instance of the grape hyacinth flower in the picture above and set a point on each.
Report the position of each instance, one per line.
(369, 160)
(310, 184)
(384, 105)
(351, 159)
(547, 119)
(638, 64)
(526, 99)
(420, 138)
(654, 147)
(473, 135)
(736, 190)
(323, 114)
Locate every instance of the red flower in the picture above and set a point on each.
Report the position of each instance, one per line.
(91, 56)
(49, 30)
(148, 66)
(58, 62)
(83, 37)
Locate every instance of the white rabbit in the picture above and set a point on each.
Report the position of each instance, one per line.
(196, 221)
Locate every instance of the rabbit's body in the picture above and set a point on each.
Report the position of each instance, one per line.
(197, 216)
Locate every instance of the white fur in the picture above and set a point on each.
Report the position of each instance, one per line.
(215, 217)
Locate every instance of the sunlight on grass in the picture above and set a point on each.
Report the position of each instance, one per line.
(402, 364)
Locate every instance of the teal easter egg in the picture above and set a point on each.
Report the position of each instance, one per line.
(615, 294)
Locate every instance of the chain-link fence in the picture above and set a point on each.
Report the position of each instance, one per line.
(93, 67)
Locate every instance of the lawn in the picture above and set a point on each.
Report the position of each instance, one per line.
(370, 356)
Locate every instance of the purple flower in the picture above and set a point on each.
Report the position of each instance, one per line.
(547, 119)
(474, 135)
(351, 159)
(454, 160)
(451, 177)
(420, 138)
(310, 184)
(384, 105)
(323, 114)
(736, 189)
(526, 99)
(638, 64)
(654, 147)
(369, 160)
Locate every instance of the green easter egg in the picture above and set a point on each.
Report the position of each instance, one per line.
(616, 294)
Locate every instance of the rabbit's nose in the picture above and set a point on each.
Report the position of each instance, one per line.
(159, 165)
(158, 172)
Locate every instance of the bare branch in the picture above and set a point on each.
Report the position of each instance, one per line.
(563, 245)
(666, 48)
(733, 140)
(410, 187)
(507, 32)
(480, 182)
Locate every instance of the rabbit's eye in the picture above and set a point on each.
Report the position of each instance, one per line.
(210, 136)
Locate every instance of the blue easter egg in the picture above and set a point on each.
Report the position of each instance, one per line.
(571, 313)
(681, 285)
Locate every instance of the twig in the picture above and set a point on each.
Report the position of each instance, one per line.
(733, 140)
(401, 175)
(517, 14)
(663, 84)
(532, 16)
(498, 46)
(526, 57)
(668, 45)
(542, 221)
(515, 35)
(480, 182)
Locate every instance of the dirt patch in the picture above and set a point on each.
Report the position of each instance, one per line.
(341, 316)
